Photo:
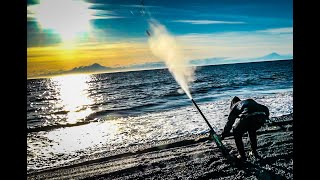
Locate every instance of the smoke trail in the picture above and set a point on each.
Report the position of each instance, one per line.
(164, 46)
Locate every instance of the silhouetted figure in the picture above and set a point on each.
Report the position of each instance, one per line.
(252, 116)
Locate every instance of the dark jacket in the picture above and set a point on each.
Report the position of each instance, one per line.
(243, 109)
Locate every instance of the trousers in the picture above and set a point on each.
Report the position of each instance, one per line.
(248, 124)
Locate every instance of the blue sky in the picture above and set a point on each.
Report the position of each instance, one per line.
(226, 28)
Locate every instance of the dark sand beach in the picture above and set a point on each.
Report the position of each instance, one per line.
(192, 157)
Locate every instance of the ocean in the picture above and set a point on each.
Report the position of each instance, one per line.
(77, 116)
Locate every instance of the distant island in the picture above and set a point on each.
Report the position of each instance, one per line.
(227, 60)
(97, 68)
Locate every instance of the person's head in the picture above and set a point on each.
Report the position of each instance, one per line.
(234, 100)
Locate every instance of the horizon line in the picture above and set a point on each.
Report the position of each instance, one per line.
(134, 70)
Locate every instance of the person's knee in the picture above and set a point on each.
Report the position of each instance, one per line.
(237, 133)
(238, 129)
(259, 121)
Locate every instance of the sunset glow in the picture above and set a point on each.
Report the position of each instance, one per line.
(67, 34)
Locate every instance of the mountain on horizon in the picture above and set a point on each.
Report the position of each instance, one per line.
(91, 68)
(96, 68)
(228, 60)
(274, 56)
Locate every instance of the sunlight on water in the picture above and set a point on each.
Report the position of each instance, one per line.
(82, 137)
(73, 96)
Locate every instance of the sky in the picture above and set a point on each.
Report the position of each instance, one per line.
(63, 34)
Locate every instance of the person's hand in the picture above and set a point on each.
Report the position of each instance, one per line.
(222, 136)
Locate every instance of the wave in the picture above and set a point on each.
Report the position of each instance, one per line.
(93, 117)
(172, 93)
(129, 110)
(56, 126)
(61, 112)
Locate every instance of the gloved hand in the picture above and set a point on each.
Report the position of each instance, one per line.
(222, 136)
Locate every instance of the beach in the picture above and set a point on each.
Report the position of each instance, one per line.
(190, 157)
(110, 127)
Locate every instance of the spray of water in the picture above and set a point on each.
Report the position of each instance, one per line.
(165, 46)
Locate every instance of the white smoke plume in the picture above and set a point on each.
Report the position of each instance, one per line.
(164, 46)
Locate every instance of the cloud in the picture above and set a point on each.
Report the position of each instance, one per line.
(235, 44)
(108, 17)
(285, 30)
(138, 6)
(208, 22)
(106, 14)
(50, 14)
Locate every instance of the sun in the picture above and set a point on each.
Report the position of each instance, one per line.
(68, 18)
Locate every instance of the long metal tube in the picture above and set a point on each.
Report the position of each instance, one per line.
(213, 134)
(195, 104)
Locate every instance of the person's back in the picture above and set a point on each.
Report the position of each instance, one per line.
(252, 116)
(248, 107)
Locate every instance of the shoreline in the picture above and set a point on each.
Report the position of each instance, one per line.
(275, 145)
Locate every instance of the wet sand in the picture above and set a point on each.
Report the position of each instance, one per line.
(194, 157)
